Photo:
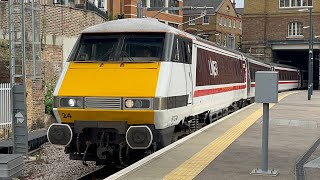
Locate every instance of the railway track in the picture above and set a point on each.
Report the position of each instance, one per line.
(100, 173)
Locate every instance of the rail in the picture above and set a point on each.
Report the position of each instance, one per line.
(100, 173)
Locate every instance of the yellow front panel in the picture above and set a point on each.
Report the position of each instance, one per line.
(88, 79)
(132, 116)
(110, 80)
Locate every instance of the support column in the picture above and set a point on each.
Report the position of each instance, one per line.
(265, 137)
(166, 4)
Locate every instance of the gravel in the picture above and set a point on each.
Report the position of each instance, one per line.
(52, 163)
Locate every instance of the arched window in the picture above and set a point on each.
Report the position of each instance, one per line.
(295, 29)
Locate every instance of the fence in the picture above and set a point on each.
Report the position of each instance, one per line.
(91, 7)
(5, 106)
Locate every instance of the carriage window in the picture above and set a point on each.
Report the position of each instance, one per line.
(96, 48)
(120, 47)
(182, 51)
(176, 52)
(188, 51)
(142, 48)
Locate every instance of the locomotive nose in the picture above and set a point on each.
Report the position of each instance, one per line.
(59, 134)
(139, 137)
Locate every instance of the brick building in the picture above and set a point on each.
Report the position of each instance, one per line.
(278, 31)
(221, 24)
(128, 9)
(114, 9)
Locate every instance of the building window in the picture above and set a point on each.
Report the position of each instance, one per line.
(240, 25)
(295, 3)
(232, 42)
(225, 21)
(173, 25)
(205, 19)
(220, 22)
(234, 24)
(157, 3)
(192, 20)
(173, 3)
(218, 38)
(230, 23)
(295, 29)
(206, 37)
(225, 41)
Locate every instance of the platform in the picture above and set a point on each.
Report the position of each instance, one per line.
(231, 147)
(35, 139)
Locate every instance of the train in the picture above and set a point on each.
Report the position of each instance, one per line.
(133, 86)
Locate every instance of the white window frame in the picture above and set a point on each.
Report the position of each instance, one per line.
(230, 25)
(232, 42)
(295, 29)
(225, 40)
(205, 18)
(234, 24)
(220, 21)
(240, 25)
(218, 38)
(192, 20)
(295, 3)
(225, 22)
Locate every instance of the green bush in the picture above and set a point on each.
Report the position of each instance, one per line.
(48, 97)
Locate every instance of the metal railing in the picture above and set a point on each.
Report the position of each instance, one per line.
(5, 106)
(91, 7)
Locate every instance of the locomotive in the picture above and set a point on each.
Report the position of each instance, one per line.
(133, 86)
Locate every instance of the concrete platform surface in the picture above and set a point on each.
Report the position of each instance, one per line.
(231, 148)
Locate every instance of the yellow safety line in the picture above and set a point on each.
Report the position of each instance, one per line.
(193, 166)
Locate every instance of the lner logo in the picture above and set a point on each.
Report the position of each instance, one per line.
(213, 68)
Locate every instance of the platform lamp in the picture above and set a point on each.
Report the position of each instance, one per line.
(310, 61)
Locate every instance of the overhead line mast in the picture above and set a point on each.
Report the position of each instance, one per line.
(24, 62)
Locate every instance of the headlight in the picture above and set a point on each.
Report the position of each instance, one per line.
(136, 103)
(129, 103)
(72, 102)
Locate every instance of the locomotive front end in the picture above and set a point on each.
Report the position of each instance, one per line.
(105, 98)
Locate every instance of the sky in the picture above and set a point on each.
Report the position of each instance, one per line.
(239, 3)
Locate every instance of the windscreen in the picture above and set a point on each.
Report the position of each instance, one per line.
(120, 47)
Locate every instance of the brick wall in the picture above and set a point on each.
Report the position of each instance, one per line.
(58, 20)
(253, 29)
(254, 7)
(259, 28)
(35, 106)
(65, 21)
(52, 61)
